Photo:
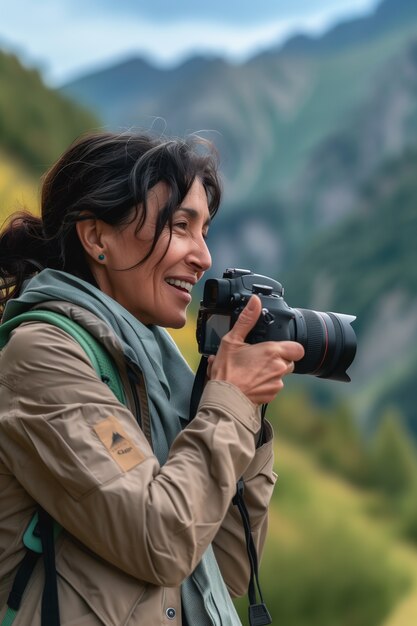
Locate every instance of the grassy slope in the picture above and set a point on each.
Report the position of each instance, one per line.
(17, 187)
(36, 123)
(308, 501)
(405, 613)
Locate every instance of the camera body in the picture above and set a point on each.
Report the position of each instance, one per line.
(328, 339)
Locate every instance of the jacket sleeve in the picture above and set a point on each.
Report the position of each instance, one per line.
(230, 542)
(81, 455)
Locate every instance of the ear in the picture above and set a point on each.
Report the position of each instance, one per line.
(90, 235)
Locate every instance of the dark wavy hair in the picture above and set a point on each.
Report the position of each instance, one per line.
(105, 176)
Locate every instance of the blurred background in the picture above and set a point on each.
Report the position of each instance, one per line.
(312, 105)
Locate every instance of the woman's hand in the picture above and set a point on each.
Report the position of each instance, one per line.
(256, 369)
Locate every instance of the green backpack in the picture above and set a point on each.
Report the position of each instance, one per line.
(34, 539)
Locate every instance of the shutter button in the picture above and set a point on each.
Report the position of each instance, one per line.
(171, 613)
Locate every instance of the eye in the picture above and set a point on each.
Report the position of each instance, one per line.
(181, 225)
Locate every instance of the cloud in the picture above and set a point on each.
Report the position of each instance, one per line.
(232, 12)
(65, 40)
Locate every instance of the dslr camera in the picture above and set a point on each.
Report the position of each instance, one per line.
(328, 339)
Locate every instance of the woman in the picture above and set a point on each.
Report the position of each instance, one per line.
(150, 537)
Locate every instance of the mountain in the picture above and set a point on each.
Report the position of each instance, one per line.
(356, 31)
(119, 92)
(266, 115)
(299, 131)
(329, 186)
(381, 128)
(319, 148)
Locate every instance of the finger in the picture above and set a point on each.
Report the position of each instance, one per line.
(290, 350)
(247, 319)
(281, 367)
(290, 368)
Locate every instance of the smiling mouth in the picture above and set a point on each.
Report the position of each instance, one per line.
(181, 285)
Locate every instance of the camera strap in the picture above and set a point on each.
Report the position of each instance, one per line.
(198, 386)
(258, 613)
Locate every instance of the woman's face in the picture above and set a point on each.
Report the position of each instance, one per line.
(157, 291)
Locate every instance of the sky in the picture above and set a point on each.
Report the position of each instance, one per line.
(68, 38)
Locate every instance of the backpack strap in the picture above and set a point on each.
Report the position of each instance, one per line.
(43, 530)
(100, 358)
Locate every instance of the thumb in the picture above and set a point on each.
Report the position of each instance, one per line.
(247, 319)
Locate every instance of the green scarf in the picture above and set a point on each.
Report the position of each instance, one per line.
(169, 381)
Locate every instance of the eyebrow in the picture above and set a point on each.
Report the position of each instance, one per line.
(193, 213)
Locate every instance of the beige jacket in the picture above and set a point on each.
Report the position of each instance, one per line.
(133, 529)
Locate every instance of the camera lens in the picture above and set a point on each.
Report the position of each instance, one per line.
(329, 342)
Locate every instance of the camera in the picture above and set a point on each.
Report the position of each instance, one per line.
(328, 339)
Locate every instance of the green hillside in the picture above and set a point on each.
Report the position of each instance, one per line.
(18, 187)
(36, 123)
(327, 560)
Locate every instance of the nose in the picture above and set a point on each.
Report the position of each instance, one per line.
(199, 255)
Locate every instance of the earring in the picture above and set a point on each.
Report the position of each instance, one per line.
(101, 257)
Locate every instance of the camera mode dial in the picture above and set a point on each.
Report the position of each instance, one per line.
(263, 290)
